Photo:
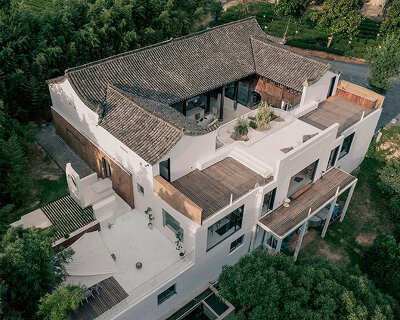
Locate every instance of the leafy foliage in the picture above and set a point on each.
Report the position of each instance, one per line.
(241, 127)
(339, 16)
(15, 140)
(264, 116)
(391, 24)
(292, 8)
(59, 304)
(389, 177)
(29, 269)
(384, 63)
(263, 287)
(36, 47)
(383, 263)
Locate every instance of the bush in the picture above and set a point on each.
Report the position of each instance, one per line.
(390, 178)
(264, 116)
(241, 126)
(252, 124)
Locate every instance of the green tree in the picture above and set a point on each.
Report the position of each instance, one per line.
(293, 9)
(339, 17)
(383, 264)
(264, 287)
(384, 63)
(59, 304)
(29, 269)
(391, 24)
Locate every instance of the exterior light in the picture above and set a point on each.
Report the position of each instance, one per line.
(380, 47)
(297, 31)
(264, 16)
(265, 27)
(349, 41)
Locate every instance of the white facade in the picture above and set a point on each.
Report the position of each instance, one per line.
(262, 155)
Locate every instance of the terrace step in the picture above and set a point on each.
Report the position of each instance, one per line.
(251, 162)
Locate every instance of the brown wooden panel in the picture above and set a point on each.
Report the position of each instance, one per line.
(89, 152)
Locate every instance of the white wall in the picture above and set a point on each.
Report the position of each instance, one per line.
(364, 130)
(318, 91)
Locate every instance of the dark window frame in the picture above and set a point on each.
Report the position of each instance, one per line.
(272, 194)
(346, 145)
(331, 86)
(333, 157)
(140, 188)
(167, 165)
(168, 216)
(236, 243)
(166, 294)
(237, 225)
(107, 168)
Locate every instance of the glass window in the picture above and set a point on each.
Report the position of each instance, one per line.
(224, 228)
(332, 158)
(230, 91)
(140, 189)
(346, 145)
(243, 93)
(302, 178)
(237, 243)
(165, 295)
(268, 202)
(165, 169)
(172, 223)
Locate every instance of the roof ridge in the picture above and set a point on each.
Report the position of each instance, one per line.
(125, 96)
(281, 46)
(158, 44)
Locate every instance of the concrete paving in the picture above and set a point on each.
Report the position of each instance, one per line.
(59, 151)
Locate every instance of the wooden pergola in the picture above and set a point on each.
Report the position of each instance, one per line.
(326, 190)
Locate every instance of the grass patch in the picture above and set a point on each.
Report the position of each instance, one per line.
(306, 34)
(48, 183)
(368, 214)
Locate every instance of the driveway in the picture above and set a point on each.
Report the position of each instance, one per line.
(358, 73)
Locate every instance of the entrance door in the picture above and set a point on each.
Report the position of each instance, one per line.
(331, 86)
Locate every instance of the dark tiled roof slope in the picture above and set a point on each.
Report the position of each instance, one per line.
(147, 135)
(285, 67)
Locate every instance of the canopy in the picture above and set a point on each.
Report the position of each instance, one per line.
(91, 262)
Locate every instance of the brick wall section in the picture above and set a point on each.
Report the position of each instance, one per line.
(176, 199)
(88, 151)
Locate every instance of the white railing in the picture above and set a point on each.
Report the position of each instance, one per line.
(150, 285)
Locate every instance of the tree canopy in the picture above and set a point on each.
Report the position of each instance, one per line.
(384, 62)
(391, 23)
(263, 287)
(29, 269)
(339, 17)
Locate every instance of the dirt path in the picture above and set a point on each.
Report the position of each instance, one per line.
(326, 55)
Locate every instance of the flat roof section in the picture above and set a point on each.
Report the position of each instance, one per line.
(333, 110)
(211, 188)
(285, 219)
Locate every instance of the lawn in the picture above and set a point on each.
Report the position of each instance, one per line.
(306, 34)
(368, 213)
(48, 182)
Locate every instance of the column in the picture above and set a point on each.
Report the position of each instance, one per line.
(346, 205)
(208, 103)
(278, 246)
(184, 108)
(235, 94)
(300, 239)
(221, 105)
(328, 218)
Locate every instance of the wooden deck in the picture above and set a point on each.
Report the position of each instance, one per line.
(212, 187)
(335, 110)
(283, 220)
(110, 293)
(67, 216)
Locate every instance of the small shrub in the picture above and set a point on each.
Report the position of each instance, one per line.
(241, 126)
(264, 116)
(253, 124)
(390, 178)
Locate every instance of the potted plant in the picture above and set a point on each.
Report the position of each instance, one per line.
(241, 129)
(151, 217)
(179, 244)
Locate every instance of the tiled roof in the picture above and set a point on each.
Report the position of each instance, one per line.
(284, 66)
(162, 74)
(147, 135)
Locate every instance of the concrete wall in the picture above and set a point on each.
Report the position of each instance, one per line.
(318, 91)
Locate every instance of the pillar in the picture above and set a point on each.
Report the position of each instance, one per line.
(184, 108)
(346, 205)
(278, 246)
(300, 239)
(328, 218)
(208, 103)
(221, 105)
(235, 94)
